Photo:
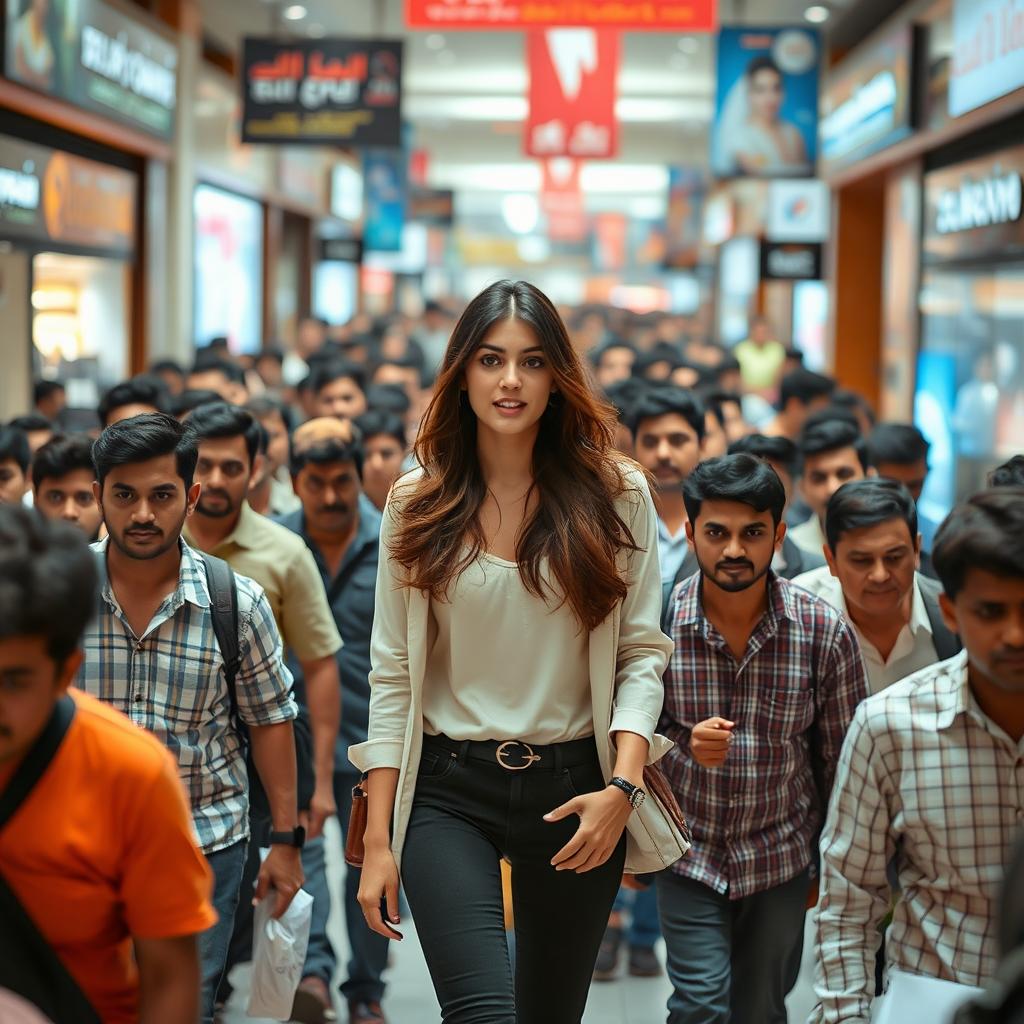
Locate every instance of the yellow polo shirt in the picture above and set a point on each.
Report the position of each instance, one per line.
(279, 561)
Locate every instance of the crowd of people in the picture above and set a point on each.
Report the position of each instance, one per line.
(497, 566)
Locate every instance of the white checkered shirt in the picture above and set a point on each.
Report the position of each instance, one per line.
(927, 781)
(171, 682)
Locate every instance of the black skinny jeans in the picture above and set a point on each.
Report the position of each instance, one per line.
(466, 815)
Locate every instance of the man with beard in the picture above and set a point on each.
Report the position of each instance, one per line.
(225, 526)
(760, 689)
(152, 652)
(930, 785)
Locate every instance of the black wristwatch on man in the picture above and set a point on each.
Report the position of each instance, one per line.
(296, 837)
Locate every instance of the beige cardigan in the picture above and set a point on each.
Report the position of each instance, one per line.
(628, 654)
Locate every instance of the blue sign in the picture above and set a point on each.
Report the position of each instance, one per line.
(766, 109)
(385, 193)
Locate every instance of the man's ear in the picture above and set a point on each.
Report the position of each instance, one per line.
(830, 559)
(948, 610)
(688, 526)
(97, 494)
(258, 465)
(917, 552)
(780, 534)
(192, 498)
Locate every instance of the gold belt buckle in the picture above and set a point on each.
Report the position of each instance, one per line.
(529, 757)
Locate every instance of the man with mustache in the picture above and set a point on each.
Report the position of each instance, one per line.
(152, 652)
(760, 689)
(930, 785)
(341, 527)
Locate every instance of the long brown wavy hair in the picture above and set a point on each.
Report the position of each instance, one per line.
(577, 474)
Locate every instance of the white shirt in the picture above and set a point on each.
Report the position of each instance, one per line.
(671, 551)
(928, 782)
(914, 648)
(506, 665)
(808, 536)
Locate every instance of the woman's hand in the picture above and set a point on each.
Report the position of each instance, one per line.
(378, 882)
(603, 818)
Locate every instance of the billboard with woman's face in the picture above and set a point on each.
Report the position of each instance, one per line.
(766, 110)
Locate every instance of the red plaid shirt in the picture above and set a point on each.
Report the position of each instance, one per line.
(756, 819)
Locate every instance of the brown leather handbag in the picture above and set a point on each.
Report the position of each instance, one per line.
(658, 786)
(355, 849)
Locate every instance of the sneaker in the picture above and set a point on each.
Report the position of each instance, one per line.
(312, 1004)
(365, 1013)
(608, 956)
(644, 962)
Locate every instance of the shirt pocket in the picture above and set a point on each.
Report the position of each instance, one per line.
(788, 710)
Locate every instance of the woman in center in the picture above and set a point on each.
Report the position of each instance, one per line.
(516, 680)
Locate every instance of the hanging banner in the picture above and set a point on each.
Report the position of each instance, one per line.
(515, 15)
(573, 74)
(561, 200)
(766, 111)
(385, 193)
(322, 92)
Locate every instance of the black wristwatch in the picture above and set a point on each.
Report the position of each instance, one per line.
(296, 838)
(634, 794)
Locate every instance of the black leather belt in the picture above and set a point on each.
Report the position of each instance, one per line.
(517, 755)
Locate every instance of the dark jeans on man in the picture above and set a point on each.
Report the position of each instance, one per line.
(467, 813)
(730, 961)
(369, 951)
(227, 866)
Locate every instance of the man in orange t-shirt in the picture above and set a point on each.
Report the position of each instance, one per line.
(101, 853)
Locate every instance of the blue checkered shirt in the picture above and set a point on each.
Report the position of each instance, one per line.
(792, 695)
(171, 682)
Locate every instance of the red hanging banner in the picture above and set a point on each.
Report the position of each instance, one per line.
(561, 199)
(515, 15)
(573, 74)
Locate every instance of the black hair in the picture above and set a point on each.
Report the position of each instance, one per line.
(779, 450)
(266, 405)
(742, 478)
(48, 581)
(222, 420)
(142, 438)
(388, 398)
(379, 421)
(985, 532)
(14, 447)
(624, 395)
(830, 436)
(899, 443)
(190, 400)
(854, 401)
(598, 353)
(867, 503)
(31, 421)
(61, 455)
(145, 390)
(337, 370)
(167, 366)
(762, 63)
(43, 389)
(208, 359)
(805, 386)
(331, 449)
(1009, 474)
(663, 352)
(795, 353)
(662, 398)
(717, 398)
(405, 362)
(274, 352)
(728, 364)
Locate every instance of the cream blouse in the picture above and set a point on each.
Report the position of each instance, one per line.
(505, 663)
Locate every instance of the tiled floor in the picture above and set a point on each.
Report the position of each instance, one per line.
(410, 998)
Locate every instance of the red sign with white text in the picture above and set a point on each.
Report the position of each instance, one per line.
(573, 75)
(515, 15)
(561, 199)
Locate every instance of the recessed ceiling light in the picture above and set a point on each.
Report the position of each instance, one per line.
(816, 14)
(294, 12)
(435, 41)
(688, 44)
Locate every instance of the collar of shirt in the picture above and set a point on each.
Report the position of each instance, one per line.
(953, 695)
(918, 613)
(191, 579)
(671, 550)
(367, 530)
(246, 533)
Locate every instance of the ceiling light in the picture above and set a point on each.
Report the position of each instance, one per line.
(816, 14)
(294, 12)
(688, 44)
(435, 41)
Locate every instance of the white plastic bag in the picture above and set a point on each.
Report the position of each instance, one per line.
(278, 954)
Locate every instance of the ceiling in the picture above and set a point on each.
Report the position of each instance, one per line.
(465, 95)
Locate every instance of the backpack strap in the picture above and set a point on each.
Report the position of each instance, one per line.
(220, 579)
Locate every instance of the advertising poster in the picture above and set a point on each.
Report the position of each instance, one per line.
(515, 15)
(766, 108)
(385, 192)
(684, 222)
(95, 57)
(322, 92)
(573, 73)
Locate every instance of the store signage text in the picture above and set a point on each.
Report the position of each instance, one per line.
(988, 52)
(980, 204)
(789, 262)
(115, 60)
(19, 188)
(868, 112)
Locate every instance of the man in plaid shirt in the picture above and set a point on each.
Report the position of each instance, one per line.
(761, 687)
(931, 784)
(152, 653)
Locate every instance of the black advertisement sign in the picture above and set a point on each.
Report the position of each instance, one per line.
(322, 92)
(50, 196)
(340, 250)
(96, 57)
(784, 261)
